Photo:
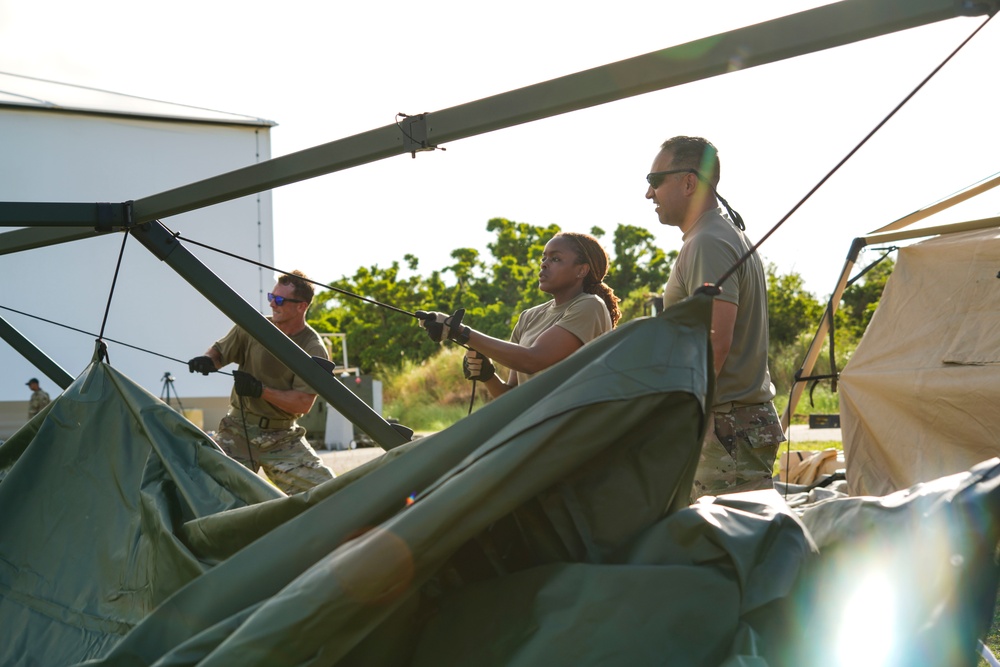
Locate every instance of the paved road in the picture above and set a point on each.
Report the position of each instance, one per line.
(802, 433)
(343, 460)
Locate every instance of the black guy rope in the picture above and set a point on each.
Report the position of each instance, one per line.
(847, 157)
(102, 348)
(110, 340)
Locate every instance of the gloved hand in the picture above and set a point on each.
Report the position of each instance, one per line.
(203, 365)
(477, 367)
(247, 385)
(440, 326)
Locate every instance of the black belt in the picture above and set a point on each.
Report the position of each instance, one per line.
(250, 419)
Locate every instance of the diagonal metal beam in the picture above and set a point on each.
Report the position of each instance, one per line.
(958, 198)
(38, 359)
(40, 237)
(155, 237)
(805, 32)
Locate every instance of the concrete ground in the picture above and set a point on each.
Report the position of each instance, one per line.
(340, 461)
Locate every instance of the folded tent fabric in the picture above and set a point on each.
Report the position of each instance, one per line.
(310, 590)
(92, 491)
(550, 527)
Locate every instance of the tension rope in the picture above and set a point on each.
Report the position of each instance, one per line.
(717, 286)
(375, 302)
(92, 335)
(850, 154)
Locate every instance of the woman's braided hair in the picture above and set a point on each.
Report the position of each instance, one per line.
(590, 252)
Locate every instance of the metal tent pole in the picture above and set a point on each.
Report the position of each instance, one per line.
(158, 240)
(786, 37)
(38, 359)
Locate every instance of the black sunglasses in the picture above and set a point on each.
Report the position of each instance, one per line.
(280, 300)
(655, 179)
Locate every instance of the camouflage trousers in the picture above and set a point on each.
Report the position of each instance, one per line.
(738, 453)
(284, 454)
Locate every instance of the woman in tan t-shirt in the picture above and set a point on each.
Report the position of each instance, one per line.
(582, 307)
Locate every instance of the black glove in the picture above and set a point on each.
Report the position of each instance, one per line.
(247, 385)
(440, 326)
(203, 365)
(477, 367)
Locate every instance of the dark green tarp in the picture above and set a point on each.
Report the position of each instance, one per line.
(591, 452)
(93, 492)
(551, 527)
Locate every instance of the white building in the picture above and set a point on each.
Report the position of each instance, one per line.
(65, 143)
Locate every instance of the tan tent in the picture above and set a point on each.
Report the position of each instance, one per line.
(920, 397)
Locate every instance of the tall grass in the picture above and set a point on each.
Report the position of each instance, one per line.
(784, 362)
(432, 395)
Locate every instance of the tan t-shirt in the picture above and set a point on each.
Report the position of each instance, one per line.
(238, 347)
(711, 247)
(585, 316)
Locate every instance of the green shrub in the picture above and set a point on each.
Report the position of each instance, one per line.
(433, 394)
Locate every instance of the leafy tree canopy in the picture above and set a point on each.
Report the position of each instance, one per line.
(496, 287)
(493, 289)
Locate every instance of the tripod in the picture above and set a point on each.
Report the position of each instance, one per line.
(168, 383)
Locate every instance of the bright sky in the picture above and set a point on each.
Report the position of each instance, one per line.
(328, 70)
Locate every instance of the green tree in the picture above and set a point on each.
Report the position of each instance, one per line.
(638, 270)
(791, 309)
(373, 331)
(493, 289)
(637, 262)
(861, 298)
(497, 292)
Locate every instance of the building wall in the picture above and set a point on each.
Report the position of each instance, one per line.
(210, 409)
(64, 157)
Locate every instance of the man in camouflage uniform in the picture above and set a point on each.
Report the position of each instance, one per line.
(742, 440)
(39, 399)
(261, 429)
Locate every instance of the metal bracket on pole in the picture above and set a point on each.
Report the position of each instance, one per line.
(414, 129)
(158, 240)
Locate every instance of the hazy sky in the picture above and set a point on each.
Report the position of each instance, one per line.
(327, 70)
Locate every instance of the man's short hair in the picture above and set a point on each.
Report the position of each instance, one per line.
(303, 289)
(695, 153)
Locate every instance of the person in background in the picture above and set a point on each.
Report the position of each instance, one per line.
(743, 437)
(582, 308)
(39, 399)
(261, 430)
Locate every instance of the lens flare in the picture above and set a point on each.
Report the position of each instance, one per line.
(867, 631)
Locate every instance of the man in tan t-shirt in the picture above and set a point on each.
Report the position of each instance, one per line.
(741, 444)
(261, 429)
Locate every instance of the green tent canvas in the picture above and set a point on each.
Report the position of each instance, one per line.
(551, 527)
(92, 492)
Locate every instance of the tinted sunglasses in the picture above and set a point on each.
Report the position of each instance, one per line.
(280, 300)
(655, 179)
